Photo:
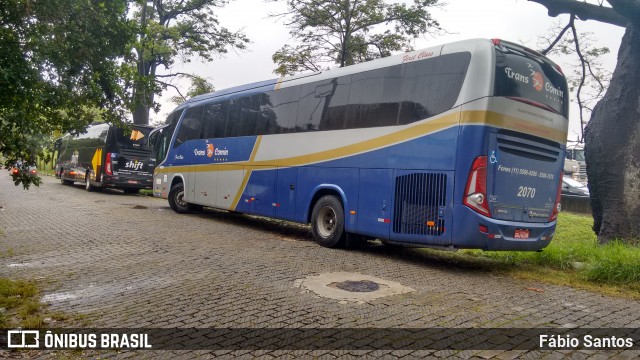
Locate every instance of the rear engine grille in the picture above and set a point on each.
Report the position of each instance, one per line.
(419, 204)
(528, 146)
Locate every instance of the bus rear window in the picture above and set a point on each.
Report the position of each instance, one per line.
(137, 138)
(530, 78)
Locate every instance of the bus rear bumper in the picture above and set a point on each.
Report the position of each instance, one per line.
(480, 232)
(126, 182)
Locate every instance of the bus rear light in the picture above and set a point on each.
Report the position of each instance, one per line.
(107, 164)
(558, 68)
(483, 229)
(556, 206)
(476, 189)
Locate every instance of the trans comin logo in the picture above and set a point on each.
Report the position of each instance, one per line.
(534, 78)
(210, 151)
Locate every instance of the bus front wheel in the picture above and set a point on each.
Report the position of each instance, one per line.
(327, 222)
(176, 199)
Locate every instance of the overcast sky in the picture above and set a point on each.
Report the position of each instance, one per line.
(514, 20)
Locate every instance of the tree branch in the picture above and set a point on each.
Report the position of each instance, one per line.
(554, 42)
(586, 11)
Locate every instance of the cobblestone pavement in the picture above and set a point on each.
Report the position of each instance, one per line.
(130, 261)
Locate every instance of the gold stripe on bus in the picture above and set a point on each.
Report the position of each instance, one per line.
(403, 135)
(476, 117)
(247, 174)
(278, 84)
(482, 117)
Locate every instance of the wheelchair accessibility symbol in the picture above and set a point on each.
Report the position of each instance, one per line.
(493, 159)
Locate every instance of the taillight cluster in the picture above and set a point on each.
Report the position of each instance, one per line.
(107, 165)
(556, 206)
(476, 190)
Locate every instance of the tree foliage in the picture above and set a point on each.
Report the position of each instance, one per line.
(612, 135)
(59, 61)
(199, 86)
(168, 30)
(588, 78)
(345, 32)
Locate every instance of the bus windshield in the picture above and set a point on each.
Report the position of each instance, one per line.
(527, 77)
(137, 138)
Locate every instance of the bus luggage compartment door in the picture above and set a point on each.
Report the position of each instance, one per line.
(422, 203)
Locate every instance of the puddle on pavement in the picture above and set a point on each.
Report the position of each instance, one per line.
(19, 265)
(350, 287)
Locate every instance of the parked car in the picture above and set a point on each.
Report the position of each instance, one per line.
(574, 188)
(24, 168)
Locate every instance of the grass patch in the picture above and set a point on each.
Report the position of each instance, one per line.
(573, 258)
(146, 192)
(20, 301)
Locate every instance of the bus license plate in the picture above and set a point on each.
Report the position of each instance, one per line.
(135, 182)
(521, 234)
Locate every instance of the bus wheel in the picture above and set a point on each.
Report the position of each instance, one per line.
(327, 222)
(87, 183)
(176, 199)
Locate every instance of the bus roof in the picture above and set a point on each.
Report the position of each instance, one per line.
(459, 46)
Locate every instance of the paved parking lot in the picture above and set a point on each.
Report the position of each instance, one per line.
(130, 261)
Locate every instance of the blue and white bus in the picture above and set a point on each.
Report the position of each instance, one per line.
(455, 146)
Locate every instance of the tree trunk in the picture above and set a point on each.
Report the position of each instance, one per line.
(612, 149)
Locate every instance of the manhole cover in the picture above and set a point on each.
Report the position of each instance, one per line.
(356, 286)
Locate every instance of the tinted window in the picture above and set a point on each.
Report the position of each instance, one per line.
(310, 105)
(335, 103)
(214, 120)
(283, 104)
(524, 75)
(191, 126)
(243, 115)
(432, 86)
(265, 117)
(174, 117)
(375, 97)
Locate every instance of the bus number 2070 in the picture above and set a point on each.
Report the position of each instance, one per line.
(524, 191)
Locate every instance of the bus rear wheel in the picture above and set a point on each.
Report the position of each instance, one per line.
(176, 199)
(327, 222)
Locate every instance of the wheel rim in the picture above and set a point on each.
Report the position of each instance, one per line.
(180, 199)
(326, 223)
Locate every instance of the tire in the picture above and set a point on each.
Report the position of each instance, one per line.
(63, 181)
(87, 183)
(327, 222)
(176, 199)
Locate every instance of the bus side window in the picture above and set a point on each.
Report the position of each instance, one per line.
(336, 98)
(375, 98)
(284, 105)
(432, 86)
(191, 127)
(242, 116)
